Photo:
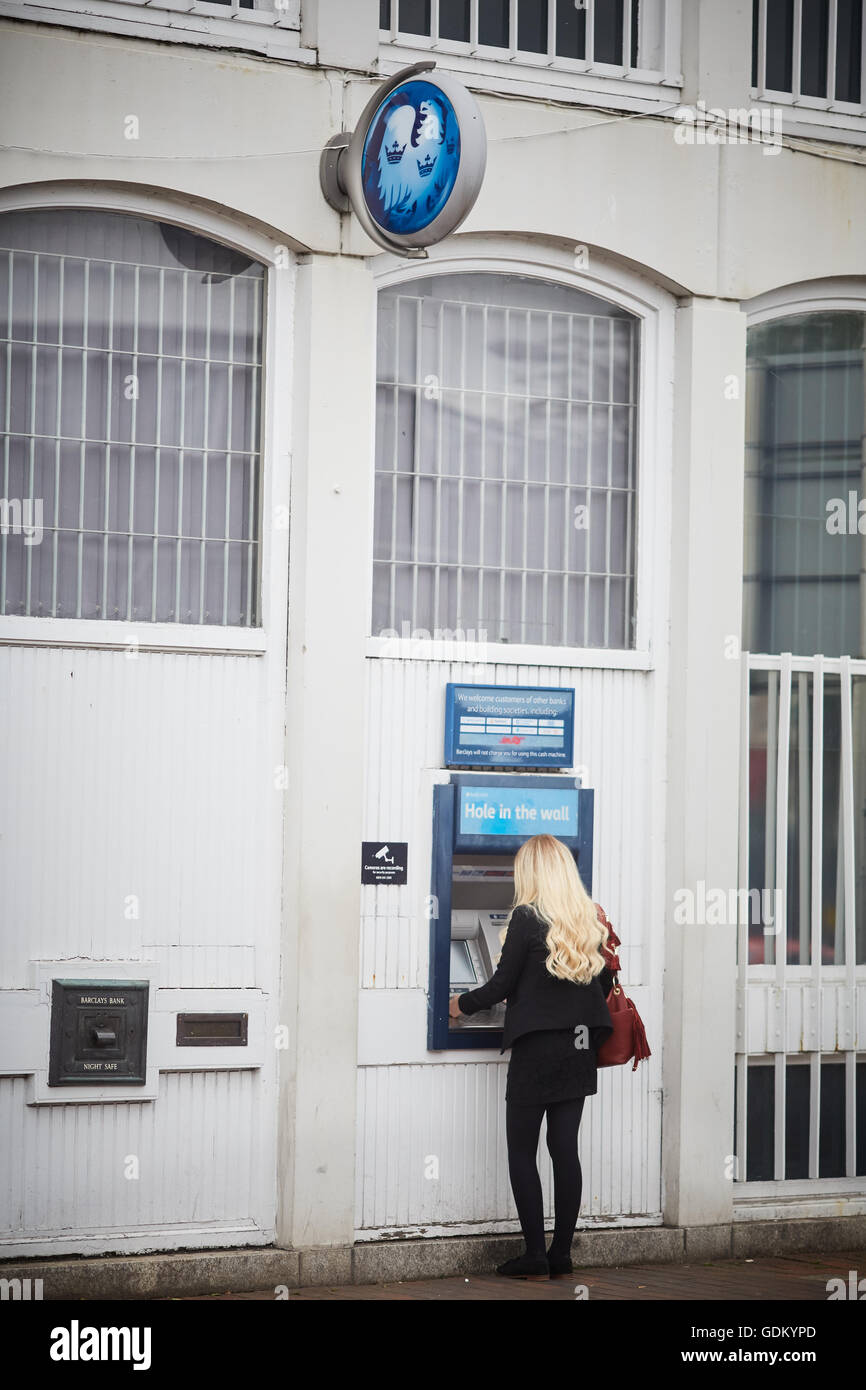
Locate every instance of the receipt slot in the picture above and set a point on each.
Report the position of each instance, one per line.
(479, 822)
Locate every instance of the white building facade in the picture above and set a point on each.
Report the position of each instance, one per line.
(268, 489)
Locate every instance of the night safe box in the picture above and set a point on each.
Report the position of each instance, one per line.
(98, 1032)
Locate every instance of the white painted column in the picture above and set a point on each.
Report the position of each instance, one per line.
(329, 596)
(703, 759)
(345, 35)
(717, 52)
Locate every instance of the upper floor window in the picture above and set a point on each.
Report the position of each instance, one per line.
(270, 27)
(505, 462)
(805, 528)
(810, 49)
(635, 39)
(130, 383)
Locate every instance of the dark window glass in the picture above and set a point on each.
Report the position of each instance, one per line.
(384, 14)
(802, 588)
(454, 20)
(798, 903)
(608, 32)
(813, 49)
(755, 32)
(832, 909)
(570, 30)
(849, 24)
(635, 13)
(532, 26)
(414, 17)
(831, 1143)
(493, 23)
(760, 1121)
(860, 1166)
(796, 1120)
(780, 44)
(858, 738)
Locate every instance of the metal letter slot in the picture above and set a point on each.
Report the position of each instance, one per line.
(212, 1030)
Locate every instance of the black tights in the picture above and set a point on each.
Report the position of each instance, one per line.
(522, 1128)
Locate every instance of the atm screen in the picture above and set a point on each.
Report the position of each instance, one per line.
(462, 972)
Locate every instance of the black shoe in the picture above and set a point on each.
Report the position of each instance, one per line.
(559, 1265)
(525, 1267)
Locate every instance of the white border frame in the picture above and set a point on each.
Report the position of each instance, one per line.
(42, 974)
(655, 310)
(277, 334)
(807, 297)
(782, 1198)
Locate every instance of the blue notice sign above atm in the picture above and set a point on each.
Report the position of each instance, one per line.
(513, 811)
(508, 726)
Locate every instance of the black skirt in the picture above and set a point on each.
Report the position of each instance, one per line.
(547, 1066)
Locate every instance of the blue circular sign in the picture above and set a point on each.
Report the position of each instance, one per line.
(411, 157)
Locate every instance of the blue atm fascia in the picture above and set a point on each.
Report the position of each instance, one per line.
(447, 841)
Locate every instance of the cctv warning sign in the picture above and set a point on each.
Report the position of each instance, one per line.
(384, 861)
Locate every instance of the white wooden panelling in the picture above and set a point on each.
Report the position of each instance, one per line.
(64, 1187)
(146, 776)
(150, 776)
(413, 1104)
(453, 1114)
(223, 967)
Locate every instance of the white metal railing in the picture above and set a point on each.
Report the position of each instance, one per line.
(810, 57)
(802, 1001)
(637, 40)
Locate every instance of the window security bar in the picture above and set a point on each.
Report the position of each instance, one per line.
(621, 38)
(129, 410)
(506, 472)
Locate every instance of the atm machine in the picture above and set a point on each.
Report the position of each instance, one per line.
(479, 822)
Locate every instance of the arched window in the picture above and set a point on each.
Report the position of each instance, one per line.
(130, 383)
(505, 461)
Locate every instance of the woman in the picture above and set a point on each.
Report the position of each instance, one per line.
(556, 982)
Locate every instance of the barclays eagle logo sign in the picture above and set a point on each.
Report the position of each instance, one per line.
(413, 166)
(411, 158)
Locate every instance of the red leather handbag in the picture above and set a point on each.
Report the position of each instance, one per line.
(628, 1038)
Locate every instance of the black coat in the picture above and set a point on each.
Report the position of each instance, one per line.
(537, 999)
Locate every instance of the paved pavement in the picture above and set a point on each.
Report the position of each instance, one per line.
(789, 1278)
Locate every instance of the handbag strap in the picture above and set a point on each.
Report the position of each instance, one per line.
(607, 948)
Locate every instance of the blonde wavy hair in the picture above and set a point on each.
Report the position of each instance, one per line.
(546, 879)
